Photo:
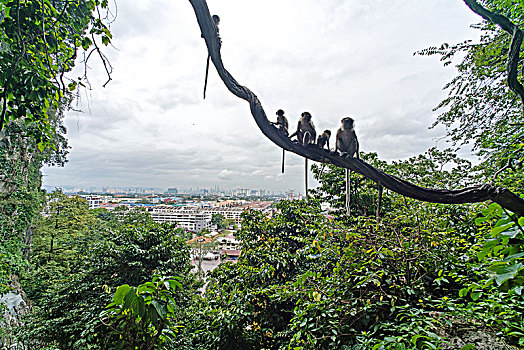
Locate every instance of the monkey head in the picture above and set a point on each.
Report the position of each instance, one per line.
(328, 132)
(216, 19)
(280, 112)
(306, 116)
(347, 123)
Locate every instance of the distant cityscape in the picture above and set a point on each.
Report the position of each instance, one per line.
(198, 191)
(191, 209)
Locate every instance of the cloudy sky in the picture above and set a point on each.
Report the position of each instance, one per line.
(150, 127)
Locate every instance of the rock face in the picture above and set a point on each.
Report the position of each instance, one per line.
(14, 308)
(482, 339)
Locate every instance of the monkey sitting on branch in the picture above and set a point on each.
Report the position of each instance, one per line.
(323, 140)
(347, 144)
(216, 21)
(282, 125)
(306, 134)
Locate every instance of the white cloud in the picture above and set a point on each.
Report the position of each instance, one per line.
(226, 174)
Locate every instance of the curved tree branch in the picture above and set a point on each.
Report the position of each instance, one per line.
(516, 42)
(502, 196)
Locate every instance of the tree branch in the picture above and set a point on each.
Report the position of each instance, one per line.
(480, 193)
(516, 42)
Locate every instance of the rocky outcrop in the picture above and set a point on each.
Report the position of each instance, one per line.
(14, 306)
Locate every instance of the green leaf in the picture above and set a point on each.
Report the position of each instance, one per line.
(499, 229)
(512, 232)
(502, 273)
(129, 297)
(121, 291)
(174, 283)
(468, 347)
(160, 309)
(476, 295)
(514, 256)
(480, 220)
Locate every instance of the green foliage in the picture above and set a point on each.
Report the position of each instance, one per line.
(130, 254)
(363, 191)
(305, 281)
(480, 108)
(144, 317)
(497, 290)
(504, 249)
(39, 42)
(59, 237)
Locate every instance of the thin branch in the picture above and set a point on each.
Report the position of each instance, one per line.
(105, 61)
(516, 42)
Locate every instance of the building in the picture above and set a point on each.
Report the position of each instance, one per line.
(93, 201)
(189, 219)
(227, 213)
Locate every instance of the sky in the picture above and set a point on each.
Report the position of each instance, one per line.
(150, 126)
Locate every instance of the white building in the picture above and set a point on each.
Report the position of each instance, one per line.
(227, 213)
(93, 201)
(229, 243)
(189, 219)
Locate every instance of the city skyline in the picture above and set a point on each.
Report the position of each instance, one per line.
(158, 190)
(150, 126)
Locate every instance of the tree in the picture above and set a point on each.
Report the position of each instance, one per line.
(59, 238)
(131, 254)
(483, 107)
(39, 41)
(145, 317)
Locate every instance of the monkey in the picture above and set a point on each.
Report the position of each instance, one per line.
(282, 125)
(282, 122)
(347, 143)
(216, 22)
(323, 140)
(306, 134)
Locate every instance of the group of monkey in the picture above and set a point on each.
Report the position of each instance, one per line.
(346, 141)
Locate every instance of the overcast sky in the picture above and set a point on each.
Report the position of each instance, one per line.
(150, 127)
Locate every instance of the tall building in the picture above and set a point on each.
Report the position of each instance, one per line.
(172, 190)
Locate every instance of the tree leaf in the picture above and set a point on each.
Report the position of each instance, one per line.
(502, 273)
(121, 291)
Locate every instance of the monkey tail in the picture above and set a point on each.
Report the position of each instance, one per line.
(283, 156)
(207, 73)
(321, 171)
(307, 138)
(305, 176)
(348, 193)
